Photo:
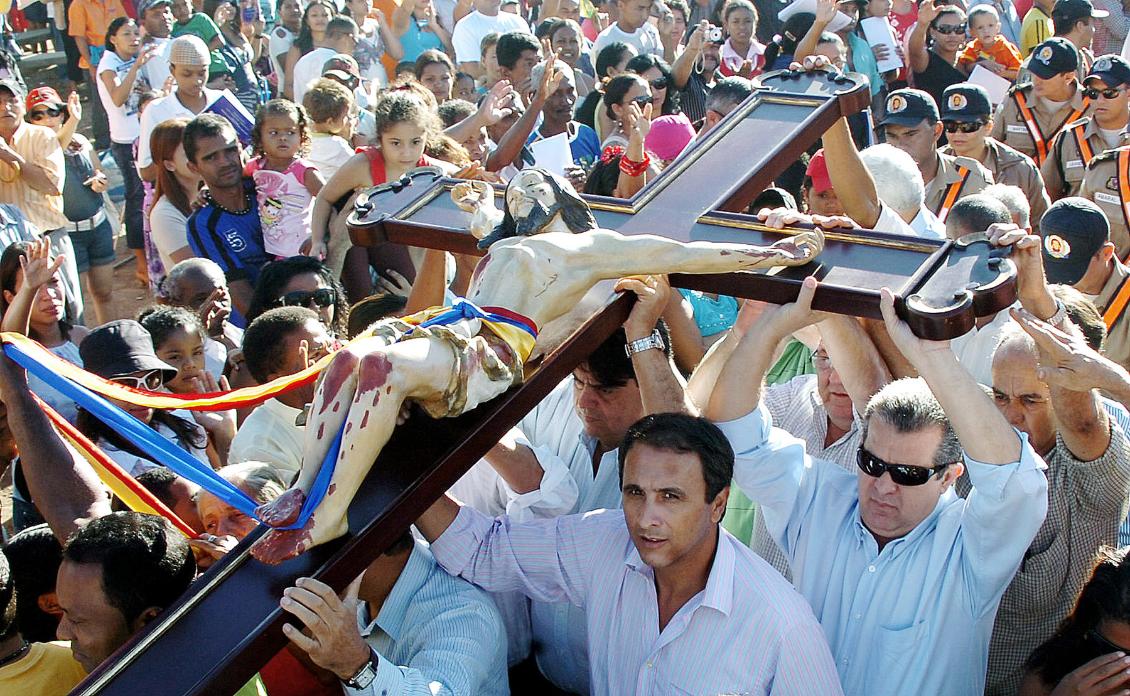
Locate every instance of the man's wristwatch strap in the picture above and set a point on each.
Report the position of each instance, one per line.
(655, 340)
(364, 676)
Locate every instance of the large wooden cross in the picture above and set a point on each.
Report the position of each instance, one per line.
(216, 637)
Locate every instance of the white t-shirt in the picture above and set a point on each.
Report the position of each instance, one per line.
(158, 70)
(159, 111)
(124, 124)
(309, 68)
(167, 228)
(921, 226)
(279, 41)
(328, 152)
(645, 39)
(470, 30)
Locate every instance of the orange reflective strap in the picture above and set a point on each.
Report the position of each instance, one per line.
(1033, 127)
(1117, 305)
(1085, 151)
(1124, 184)
(952, 192)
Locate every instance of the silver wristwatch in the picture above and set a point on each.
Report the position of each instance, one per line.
(655, 340)
(364, 676)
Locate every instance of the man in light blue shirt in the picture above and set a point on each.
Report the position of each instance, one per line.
(903, 575)
(432, 634)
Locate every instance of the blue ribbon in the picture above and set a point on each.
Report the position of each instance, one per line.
(463, 309)
(161, 450)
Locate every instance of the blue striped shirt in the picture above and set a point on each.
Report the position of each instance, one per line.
(233, 240)
(916, 617)
(747, 632)
(435, 635)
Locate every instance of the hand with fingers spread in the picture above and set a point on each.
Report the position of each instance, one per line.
(1106, 675)
(214, 312)
(637, 123)
(37, 265)
(928, 11)
(496, 104)
(394, 284)
(551, 79)
(652, 294)
(826, 12)
(330, 635)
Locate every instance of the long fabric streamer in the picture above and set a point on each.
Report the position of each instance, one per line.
(162, 450)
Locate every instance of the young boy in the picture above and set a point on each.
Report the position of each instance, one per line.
(329, 105)
(189, 21)
(988, 48)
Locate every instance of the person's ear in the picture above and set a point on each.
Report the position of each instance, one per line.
(1106, 252)
(718, 505)
(169, 165)
(952, 473)
(144, 618)
(48, 603)
(938, 128)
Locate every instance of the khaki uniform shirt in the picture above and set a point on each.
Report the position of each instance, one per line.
(1009, 126)
(1100, 185)
(1117, 346)
(1065, 166)
(948, 173)
(1012, 167)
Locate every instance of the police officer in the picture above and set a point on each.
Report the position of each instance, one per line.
(1077, 252)
(912, 124)
(1034, 113)
(967, 118)
(1105, 129)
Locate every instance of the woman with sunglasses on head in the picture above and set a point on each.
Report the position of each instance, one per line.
(1087, 654)
(122, 352)
(935, 45)
(84, 182)
(301, 281)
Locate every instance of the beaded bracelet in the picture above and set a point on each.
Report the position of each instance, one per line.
(634, 168)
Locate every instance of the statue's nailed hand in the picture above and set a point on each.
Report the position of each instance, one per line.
(800, 249)
(470, 196)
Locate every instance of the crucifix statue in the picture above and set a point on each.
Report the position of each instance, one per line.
(942, 287)
(546, 254)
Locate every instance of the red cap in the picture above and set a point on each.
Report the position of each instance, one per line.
(43, 95)
(818, 172)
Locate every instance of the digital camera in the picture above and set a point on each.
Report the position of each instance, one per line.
(714, 34)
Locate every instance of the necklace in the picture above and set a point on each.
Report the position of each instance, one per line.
(15, 654)
(246, 202)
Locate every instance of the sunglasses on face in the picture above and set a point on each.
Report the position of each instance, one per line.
(323, 297)
(902, 474)
(659, 83)
(950, 28)
(1105, 93)
(964, 127)
(43, 113)
(151, 381)
(642, 100)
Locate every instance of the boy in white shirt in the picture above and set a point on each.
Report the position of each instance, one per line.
(330, 107)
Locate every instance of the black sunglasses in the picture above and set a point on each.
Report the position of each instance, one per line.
(950, 28)
(50, 111)
(323, 297)
(642, 100)
(659, 83)
(1107, 93)
(902, 474)
(964, 126)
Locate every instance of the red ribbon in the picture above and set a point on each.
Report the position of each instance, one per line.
(610, 153)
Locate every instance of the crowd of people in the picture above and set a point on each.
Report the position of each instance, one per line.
(726, 496)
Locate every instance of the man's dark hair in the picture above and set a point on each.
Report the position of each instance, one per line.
(976, 212)
(681, 433)
(34, 555)
(145, 561)
(204, 126)
(264, 342)
(511, 45)
(453, 111)
(8, 625)
(159, 481)
(610, 366)
(372, 309)
(728, 93)
(341, 25)
(1065, 16)
(609, 57)
(574, 211)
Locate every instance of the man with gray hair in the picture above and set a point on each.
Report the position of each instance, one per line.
(890, 557)
(557, 116)
(1088, 459)
(1015, 201)
(723, 98)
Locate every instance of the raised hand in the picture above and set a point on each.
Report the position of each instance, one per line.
(1066, 360)
(1106, 674)
(800, 249)
(826, 11)
(904, 339)
(38, 267)
(697, 40)
(214, 312)
(551, 79)
(928, 11)
(394, 284)
(496, 104)
(637, 122)
(74, 106)
(331, 638)
(652, 294)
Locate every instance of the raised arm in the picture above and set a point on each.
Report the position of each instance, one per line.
(683, 66)
(850, 177)
(919, 54)
(855, 358)
(661, 388)
(825, 12)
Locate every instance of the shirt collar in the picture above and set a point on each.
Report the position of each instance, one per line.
(390, 619)
(719, 591)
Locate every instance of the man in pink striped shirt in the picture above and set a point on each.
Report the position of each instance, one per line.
(674, 603)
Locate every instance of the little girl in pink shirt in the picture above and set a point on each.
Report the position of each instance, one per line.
(285, 183)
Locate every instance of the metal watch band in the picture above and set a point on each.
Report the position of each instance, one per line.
(655, 340)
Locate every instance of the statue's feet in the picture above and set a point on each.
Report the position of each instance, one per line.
(283, 510)
(279, 545)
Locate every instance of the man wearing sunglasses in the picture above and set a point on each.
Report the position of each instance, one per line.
(1080, 142)
(967, 115)
(904, 576)
(912, 124)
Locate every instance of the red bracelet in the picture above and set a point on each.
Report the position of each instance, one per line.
(634, 168)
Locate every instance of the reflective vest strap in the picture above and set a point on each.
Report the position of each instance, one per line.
(1118, 304)
(952, 192)
(1085, 151)
(1033, 127)
(1124, 184)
